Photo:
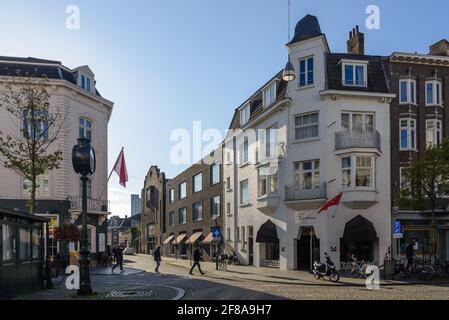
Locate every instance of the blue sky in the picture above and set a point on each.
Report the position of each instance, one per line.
(168, 63)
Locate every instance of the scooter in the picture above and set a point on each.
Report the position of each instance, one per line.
(326, 269)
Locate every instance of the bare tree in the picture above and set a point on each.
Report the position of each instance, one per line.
(28, 149)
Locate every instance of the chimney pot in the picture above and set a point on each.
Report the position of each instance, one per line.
(356, 42)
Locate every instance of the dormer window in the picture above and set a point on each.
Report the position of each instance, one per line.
(85, 83)
(306, 72)
(244, 114)
(355, 73)
(269, 94)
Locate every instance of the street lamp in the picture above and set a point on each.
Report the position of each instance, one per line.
(84, 163)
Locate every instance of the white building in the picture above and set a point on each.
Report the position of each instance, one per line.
(332, 137)
(86, 113)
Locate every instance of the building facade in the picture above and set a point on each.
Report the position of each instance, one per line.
(136, 203)
(331, 134)
(193, 207)
(418, 119)
(153, 209)
(86, 114)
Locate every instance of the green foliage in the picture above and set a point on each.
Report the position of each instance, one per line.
(29, 149)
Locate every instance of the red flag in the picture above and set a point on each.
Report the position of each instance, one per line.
(120, 168)
(333, 202)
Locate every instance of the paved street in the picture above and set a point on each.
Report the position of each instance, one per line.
(238, 283)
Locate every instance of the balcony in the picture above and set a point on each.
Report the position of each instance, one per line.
(305, 199)
(355, 139)
(268, 204)
(93, 205)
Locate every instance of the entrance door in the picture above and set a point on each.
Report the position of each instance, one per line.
(250, 245)
(308, 249)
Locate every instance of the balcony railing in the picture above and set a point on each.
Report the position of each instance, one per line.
(92, 204)
(294, 193)
(355, 139)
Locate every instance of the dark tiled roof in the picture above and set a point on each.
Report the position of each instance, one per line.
(308, 27)
(13, 66)
(377, 75)
(256, 101)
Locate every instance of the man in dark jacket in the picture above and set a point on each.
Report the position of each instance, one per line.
(157, 258)
(197, 257)
(118, 254)
(410, 253)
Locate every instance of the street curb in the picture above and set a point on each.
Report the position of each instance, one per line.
(313, 284)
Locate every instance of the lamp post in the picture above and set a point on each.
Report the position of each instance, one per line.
(84, 163)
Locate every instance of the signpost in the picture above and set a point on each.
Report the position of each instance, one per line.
(397, 230)
(216, 235)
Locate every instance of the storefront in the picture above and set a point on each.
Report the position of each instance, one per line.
(359, 239)
(21, 252)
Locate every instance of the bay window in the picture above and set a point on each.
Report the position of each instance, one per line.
(407, 91)
(357, 122)
(357, 171)
(407, 134)
(268, 184)
(433, 132)
(433, 93)
(307, 175)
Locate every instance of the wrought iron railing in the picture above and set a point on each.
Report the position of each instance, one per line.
(294, 192)
(356, 139)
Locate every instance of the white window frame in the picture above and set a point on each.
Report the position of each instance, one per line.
(409, 129)
(437, 128)
(355, 64)
(301, 172)
(245, 113)
(409, 82)
(241, 191)
(306, 126)
(85, 128)
(271, 185)
(40, 191)
(354, 167)
(269, 94)
(435, 93)
(351, 120)
(306, 72)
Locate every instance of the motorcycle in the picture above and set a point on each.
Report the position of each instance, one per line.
(326, 269)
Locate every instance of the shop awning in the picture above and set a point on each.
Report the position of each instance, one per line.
(208, 239)
(267, 233)
(169, 239)
(194, 237)
(181, 238)
(359, 229)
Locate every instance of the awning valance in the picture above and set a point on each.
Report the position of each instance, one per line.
(267, 233)
(194, 237)
(208, 239)
(169, 239)
(359, 229)
(181, 238)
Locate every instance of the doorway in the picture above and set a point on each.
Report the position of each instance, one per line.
(308, 249)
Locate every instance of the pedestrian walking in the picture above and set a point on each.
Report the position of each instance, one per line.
(118, 254)
(157, 258)
(197, 257)
(410, 254)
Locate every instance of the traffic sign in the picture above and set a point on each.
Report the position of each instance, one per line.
(397, 226)
(398, 235)
(216, 233)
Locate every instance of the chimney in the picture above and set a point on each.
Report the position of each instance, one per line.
(441, 48)
(356, 42)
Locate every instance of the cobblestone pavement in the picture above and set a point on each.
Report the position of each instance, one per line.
(174, 282)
